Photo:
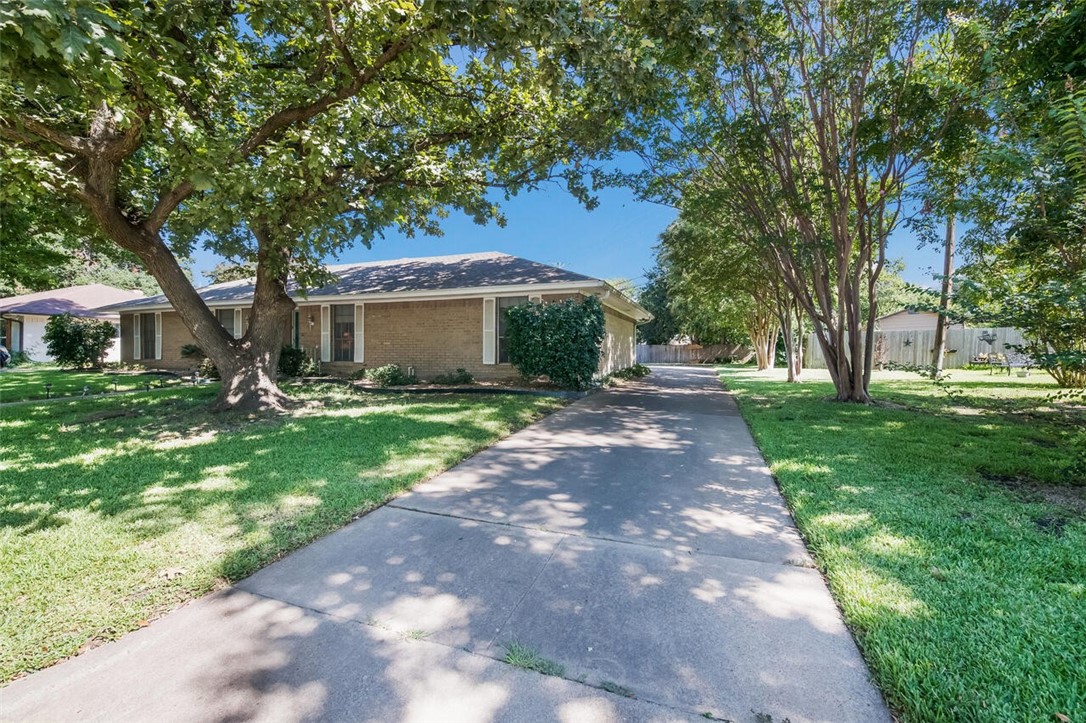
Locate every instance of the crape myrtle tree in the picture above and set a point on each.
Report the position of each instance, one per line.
(810, 122)
(278, 133)
(714, 266)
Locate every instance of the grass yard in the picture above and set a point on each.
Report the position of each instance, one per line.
(114, 510)
(951, 529)
(28, 383)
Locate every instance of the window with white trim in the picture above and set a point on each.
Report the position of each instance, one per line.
(148, 336)
(505, 303)
(226, 318)
(343, 332)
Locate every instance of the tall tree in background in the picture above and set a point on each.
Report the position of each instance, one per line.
(656, 299)
(1028, 205)
(43, 246)
(811, 126)
(281, 132)
(713, 274)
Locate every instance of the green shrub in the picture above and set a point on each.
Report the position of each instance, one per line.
(295, 363)
(390, 375)
(207, 369)
(560, 340)
(76, 342)
(204, 366)
(19, 358)
(637, 371)
(460, 376)
(192, 351)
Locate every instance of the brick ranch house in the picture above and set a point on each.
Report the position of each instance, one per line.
(434, 315)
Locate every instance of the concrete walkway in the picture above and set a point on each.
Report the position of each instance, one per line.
(635, 537)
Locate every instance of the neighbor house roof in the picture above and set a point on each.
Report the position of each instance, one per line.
(905, 312)
(433, 276)
(75, 300)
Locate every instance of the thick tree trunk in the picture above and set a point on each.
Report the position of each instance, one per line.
(248, 384)
(939, 352)
(247, 365)
(249, 377)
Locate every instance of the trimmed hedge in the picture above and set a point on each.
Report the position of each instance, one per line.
(560, 340)
(390, 375)
(295, 363)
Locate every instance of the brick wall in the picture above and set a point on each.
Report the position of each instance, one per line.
(309, 337)
(434, 337)
(174, 336)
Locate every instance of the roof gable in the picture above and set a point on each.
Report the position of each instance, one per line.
(435, 273)
(84, 300)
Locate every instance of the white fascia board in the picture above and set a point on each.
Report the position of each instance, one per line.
(462, 293)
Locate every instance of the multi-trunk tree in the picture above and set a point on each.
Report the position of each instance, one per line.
(279, 133)
(809, 124)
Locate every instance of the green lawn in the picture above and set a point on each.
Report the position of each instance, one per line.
(951, 529)
(113, 510)
(22, 384)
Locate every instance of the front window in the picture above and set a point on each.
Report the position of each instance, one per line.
(343, 332)
(505, 303)
(15, 336)
(147, 336)
(226, 318)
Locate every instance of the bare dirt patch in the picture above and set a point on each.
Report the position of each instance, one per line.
(1070, 497)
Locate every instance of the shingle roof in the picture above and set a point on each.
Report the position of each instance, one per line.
(434, 273)
(75, 300)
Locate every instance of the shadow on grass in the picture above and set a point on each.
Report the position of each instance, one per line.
(169, 462)
(380, 611)
(944, 536)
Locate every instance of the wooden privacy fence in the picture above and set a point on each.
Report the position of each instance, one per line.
(689, 353)
(915, 347)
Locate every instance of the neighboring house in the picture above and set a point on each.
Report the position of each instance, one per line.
(23, 318)
(434, 315)
(909, 321)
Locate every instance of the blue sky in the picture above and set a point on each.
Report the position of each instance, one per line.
(548, 225)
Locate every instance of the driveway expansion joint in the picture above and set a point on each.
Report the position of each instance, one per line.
(791, 562)
(483, 652)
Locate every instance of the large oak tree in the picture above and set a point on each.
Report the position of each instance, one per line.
(279, 133)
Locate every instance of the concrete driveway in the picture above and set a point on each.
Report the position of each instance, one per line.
(635, 538)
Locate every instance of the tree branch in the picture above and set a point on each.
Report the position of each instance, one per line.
(74, 144)
(166, 204)
(282, 119)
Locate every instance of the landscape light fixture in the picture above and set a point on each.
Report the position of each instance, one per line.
(48, 393)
